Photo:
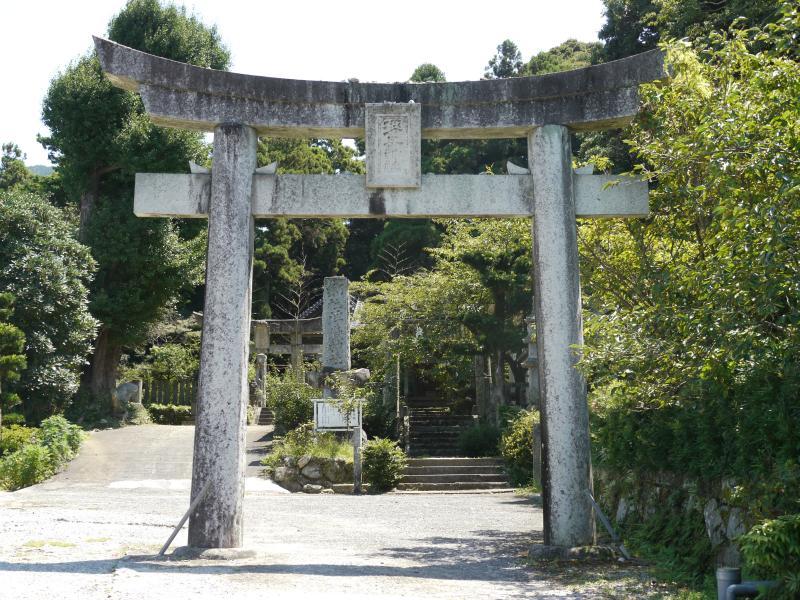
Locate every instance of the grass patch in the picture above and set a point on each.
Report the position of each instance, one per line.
(43, 543)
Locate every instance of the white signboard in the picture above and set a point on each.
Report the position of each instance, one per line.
(328, 415)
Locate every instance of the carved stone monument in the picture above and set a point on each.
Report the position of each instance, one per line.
(394, 117)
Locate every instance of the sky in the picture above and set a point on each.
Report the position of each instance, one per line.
(303, 39)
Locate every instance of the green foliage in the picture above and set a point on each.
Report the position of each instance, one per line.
(506, 63)
(516, 447)
(27, 466)
(480, 439)
(13, 419)
(427, 72)
(12, 438)
(139, 415)
(166, 30)
(289, 400)
(173, 362)
(772, 551)
(12, 359)
(289, 252)
(60, 437)
(378, 418)
(169, 414)
(39, 454)
(100, 136)
(383, 464)
(47, 271)
(304, 441)
(675, 539)
(567, 56)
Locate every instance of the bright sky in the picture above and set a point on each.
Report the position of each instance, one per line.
(303, 39)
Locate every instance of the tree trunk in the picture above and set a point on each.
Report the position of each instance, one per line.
(88, 201)
(100, 375)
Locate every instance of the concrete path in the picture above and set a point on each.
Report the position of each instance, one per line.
(92, 532)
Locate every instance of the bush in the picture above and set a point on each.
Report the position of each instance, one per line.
(378, 418)
(29, 465)
(138, 414)
(61, 438)
(13, 419)
(169, 414)
(304, 441)
(290, 401)
(772, 550)
(383, 464)
(15, 437)
(516, 447)
(479, 440)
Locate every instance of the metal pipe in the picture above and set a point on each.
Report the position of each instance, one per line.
(751, 589)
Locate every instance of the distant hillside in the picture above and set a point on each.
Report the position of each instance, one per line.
(41, 169)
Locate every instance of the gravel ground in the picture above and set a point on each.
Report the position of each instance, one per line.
(94, 530)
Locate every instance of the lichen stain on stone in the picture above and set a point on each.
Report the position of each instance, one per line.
(377, 203)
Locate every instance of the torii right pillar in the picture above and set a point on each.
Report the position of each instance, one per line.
(566, 459)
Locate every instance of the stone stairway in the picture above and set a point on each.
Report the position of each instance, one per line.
(264, 416)
(434, 431)
(448, 474)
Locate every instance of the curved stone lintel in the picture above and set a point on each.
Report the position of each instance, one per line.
(185, 96)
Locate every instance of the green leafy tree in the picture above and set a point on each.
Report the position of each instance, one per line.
(13, 171)
(100, 137)
(289, 252)
(692, 315)
(427, 72)
(506, 63)
(48, 272)
(12, 359)
(567, 56)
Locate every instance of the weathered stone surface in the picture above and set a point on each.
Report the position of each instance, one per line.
(180, 95)
(715, 526)
(222, 391)
(312, 471)
(346, 196)
(565, 414)
(303, 461)
(335, 324)
(736, 525)
(311, 488)
(394, 145)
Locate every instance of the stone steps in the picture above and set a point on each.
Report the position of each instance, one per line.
(265, 417)
(434, 431)
(447, 474)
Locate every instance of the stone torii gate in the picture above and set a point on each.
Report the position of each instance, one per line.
(393, 118)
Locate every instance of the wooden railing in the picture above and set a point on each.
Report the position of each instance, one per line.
(169, 392)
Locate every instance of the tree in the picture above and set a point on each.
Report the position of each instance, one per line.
(13, 171)
(692, 315)
(12, 359)
(633, 26)
(427, 72)
(48, 272)
(100, 137)
(567, 56)
(506, 63)
(290, 250)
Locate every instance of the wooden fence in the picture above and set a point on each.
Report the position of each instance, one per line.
(182, 393)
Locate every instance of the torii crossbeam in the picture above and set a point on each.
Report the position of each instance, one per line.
(393, 118)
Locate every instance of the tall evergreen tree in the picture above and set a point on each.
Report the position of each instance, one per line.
(100, 137)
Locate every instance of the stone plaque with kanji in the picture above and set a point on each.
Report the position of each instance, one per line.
(394, 138)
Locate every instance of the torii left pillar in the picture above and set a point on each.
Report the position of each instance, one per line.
(222, 391)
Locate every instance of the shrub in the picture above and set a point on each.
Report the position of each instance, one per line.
(138, 414)
(772, 550)
(169, 414)
(479, 440)
(378, 418)
(383, 464)
(304, 441)
(13, 419)
(290, 401)
(516, 447)
(29, 465)
(15, 437)
(61, 438)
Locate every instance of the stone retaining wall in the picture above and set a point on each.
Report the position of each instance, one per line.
(313, 475)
